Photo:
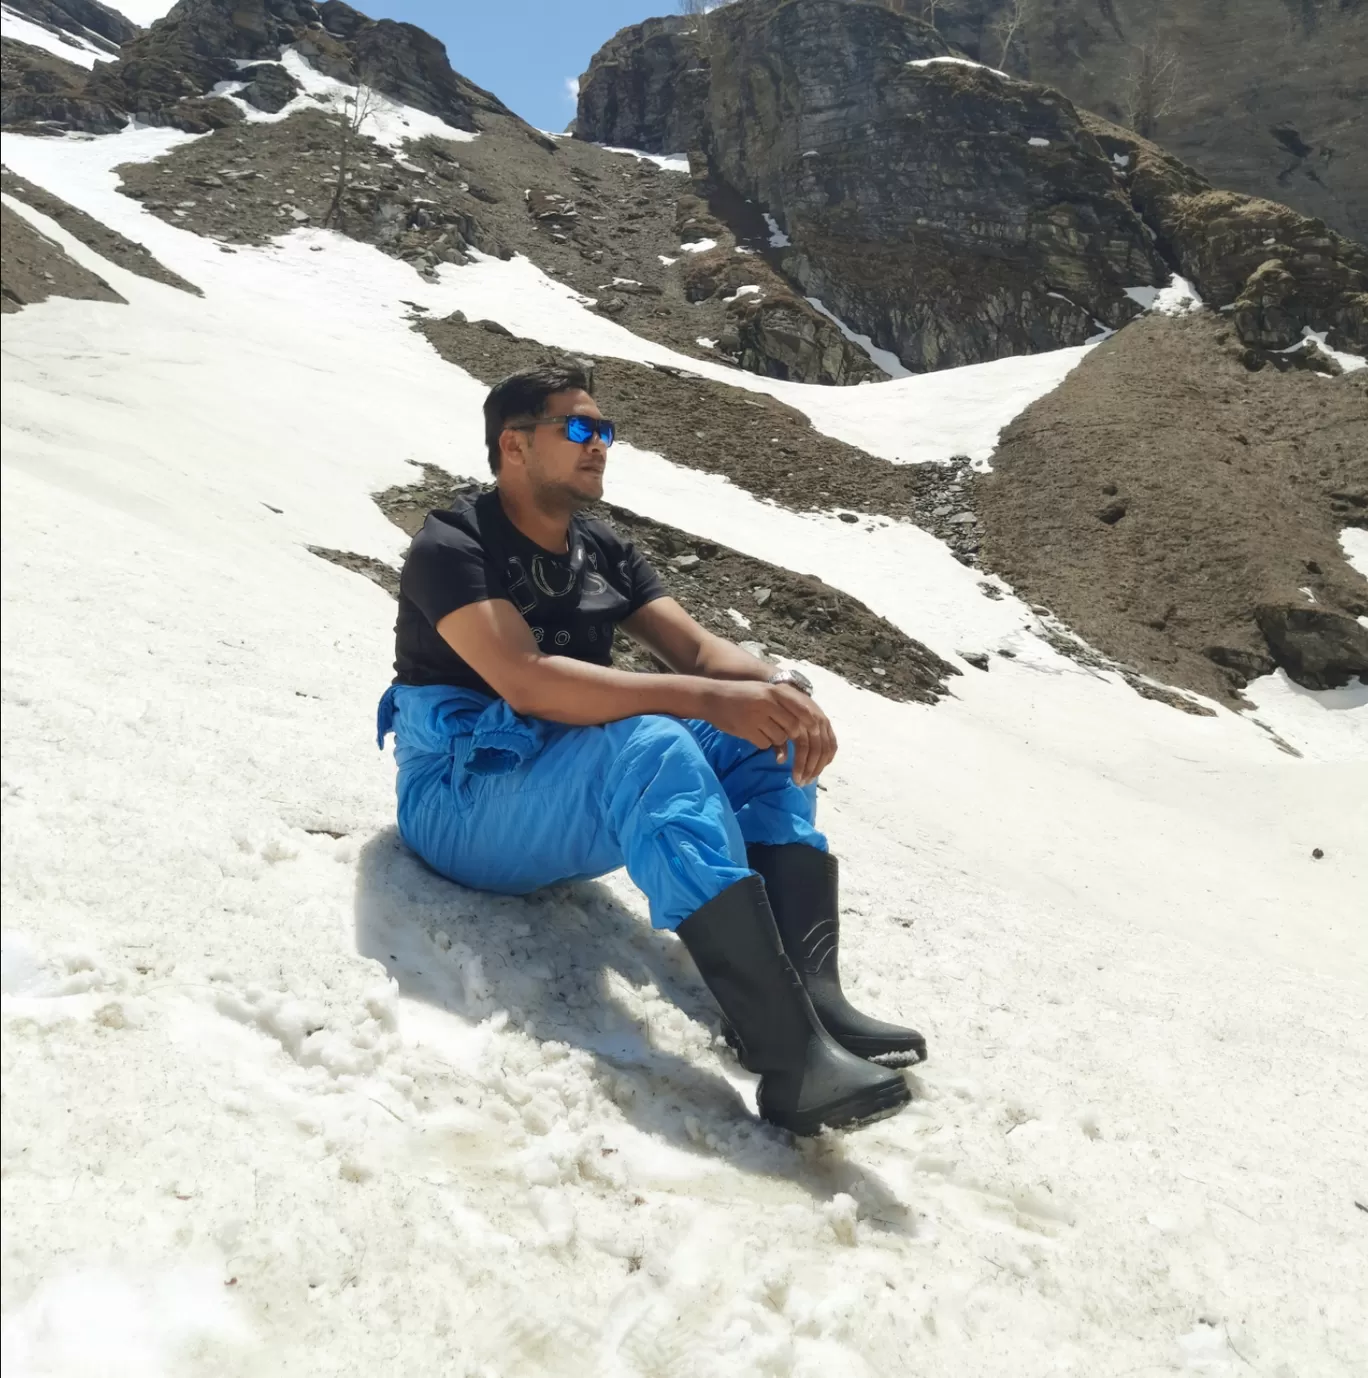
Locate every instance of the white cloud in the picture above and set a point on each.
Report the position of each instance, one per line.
(572, 88)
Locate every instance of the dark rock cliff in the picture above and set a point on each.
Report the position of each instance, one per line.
(1266, 97)
(950, 212)
(646, 87)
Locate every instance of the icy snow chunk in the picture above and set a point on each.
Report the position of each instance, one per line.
(1177, 299)
(842, 1214)
(1206, 1349)
(749, 290)
(666, 259)
(739, 618)
(1038, 142)
(706, 342)
(699, 246)
(22, 969)
(1121, 159)
(778, 239)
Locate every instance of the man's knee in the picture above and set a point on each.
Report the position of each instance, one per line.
(655, 737)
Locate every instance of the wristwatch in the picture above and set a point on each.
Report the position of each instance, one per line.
(794, 677)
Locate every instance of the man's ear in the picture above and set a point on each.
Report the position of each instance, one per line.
(512, 445)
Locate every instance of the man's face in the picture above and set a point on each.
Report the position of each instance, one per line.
(561, 473)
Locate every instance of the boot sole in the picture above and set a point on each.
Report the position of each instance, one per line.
(850, 1112)
(872, 1049)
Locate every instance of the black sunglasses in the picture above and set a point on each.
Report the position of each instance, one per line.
(578, 429)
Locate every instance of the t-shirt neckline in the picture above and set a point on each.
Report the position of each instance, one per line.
(573, 535)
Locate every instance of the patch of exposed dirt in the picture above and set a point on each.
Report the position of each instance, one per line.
(34, 268)
(1172, 504)
(377, 571)
(110, 244)
(765, 608)
(609, 225)
(760, 444)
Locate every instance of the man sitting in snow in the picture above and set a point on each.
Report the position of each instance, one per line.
(524, 758)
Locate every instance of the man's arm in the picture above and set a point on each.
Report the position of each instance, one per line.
(667, 631)
(492, 637)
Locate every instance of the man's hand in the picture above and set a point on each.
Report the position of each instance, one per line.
(773, 715)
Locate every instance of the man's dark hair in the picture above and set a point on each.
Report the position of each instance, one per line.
(522, 395)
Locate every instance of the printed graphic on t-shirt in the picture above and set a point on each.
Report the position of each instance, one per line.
(572, 602)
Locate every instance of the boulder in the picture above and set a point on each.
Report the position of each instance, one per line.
(647, 86)
(1318, 648)
(269, 87)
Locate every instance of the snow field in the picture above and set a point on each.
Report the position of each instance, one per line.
(282, 1102)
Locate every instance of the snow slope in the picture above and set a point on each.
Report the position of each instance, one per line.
(72, 48)
(278, 1101)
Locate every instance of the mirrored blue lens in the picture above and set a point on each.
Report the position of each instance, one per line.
(578, 429)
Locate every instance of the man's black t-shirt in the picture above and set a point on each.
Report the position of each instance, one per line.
(572, 601)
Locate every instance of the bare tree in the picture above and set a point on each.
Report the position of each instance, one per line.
(356, 109)
(1007, 26)
(1151, 86)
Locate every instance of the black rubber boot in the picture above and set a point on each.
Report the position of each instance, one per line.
(808, 1082)
(804, 894)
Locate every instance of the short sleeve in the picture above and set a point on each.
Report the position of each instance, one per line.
(445, 570)
(645, 585)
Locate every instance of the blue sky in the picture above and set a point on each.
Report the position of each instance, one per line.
(525, 51)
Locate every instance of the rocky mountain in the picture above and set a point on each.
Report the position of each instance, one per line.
(850, 176)
(166, 75)
(1265, 97)
(951, 213)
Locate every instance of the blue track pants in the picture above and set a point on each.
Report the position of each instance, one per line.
(500, 802)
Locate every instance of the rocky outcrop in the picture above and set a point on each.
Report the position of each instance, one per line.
(1265, 97)
(1277, 271)
(1318, 649)
(166, 74)
(1182, 512)
(269, 87)
(955, 214)
(952, 214)
(97, 24)
(768, 328)
(39, 90)
(646, 87)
